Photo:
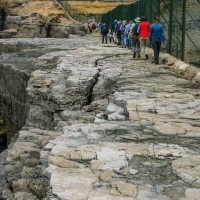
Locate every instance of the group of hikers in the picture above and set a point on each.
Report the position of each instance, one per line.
(137, 35)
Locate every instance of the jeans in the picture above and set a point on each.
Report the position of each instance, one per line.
(129, 43)
(155, 44)
(124, 39)
(104, 37)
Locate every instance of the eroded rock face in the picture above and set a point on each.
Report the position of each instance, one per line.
(40, 19)
(60, 80)
(101, 125)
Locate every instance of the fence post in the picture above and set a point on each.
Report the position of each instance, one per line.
(183, 30)
(159, 8)
(151, 11)
(170, 26)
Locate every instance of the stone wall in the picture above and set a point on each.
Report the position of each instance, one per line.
(13, 83)
(27, 29)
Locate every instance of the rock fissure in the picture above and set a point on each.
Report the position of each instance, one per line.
(116, 139)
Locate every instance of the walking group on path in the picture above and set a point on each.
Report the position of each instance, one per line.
(137, 35)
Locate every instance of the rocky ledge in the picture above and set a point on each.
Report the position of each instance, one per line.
(101, 125)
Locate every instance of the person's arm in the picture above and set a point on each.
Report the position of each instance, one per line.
(150, 32)
(138, 30)
(163, 35)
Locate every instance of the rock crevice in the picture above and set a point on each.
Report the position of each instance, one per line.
(99, 126)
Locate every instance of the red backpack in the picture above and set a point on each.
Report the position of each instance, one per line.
(93, 26)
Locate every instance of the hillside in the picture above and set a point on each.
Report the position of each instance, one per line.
(95, 6)
(49, 9)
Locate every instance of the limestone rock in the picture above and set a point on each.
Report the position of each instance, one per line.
(187, 169)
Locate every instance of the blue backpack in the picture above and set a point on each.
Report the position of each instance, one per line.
(104, 29)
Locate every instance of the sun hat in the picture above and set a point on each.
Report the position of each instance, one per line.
(137, 19)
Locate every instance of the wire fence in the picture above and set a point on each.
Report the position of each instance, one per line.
(180, 19)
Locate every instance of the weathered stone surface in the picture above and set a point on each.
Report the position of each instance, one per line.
(188, 169)
(120, 128)
(191, 194)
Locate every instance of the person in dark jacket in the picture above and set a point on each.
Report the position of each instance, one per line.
(104, 33)
(157, 36)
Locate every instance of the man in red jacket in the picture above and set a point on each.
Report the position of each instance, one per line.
(143, 30)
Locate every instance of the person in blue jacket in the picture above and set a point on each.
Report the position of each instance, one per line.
(157, 36)
(104, 33)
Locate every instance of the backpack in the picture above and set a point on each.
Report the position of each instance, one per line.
(135, 28)
(122, 28)
(104, 29)
(93, 26)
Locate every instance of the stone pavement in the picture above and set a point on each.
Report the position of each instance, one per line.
(144, 145)
(121, 129)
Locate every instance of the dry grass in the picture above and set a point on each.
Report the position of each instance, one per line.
(95, 6)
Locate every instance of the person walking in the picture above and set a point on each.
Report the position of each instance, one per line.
(136, 39)
(113, 31)
(143, 30)
(118, 32)
(157, 36)
(126, 34)
(122, 30)
(104, 33)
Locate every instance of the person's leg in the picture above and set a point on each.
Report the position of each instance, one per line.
(142, 44)
(154, 46)
(106, 38)
(134, 47)
(125, 40)
(119, 37)
(146, 43)
(128, 42)
(115, 38)
(102, 38)
(158, 47)
(138, 49)
(122, 40)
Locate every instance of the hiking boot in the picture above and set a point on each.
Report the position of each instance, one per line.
(146, 56)
(134, 55)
